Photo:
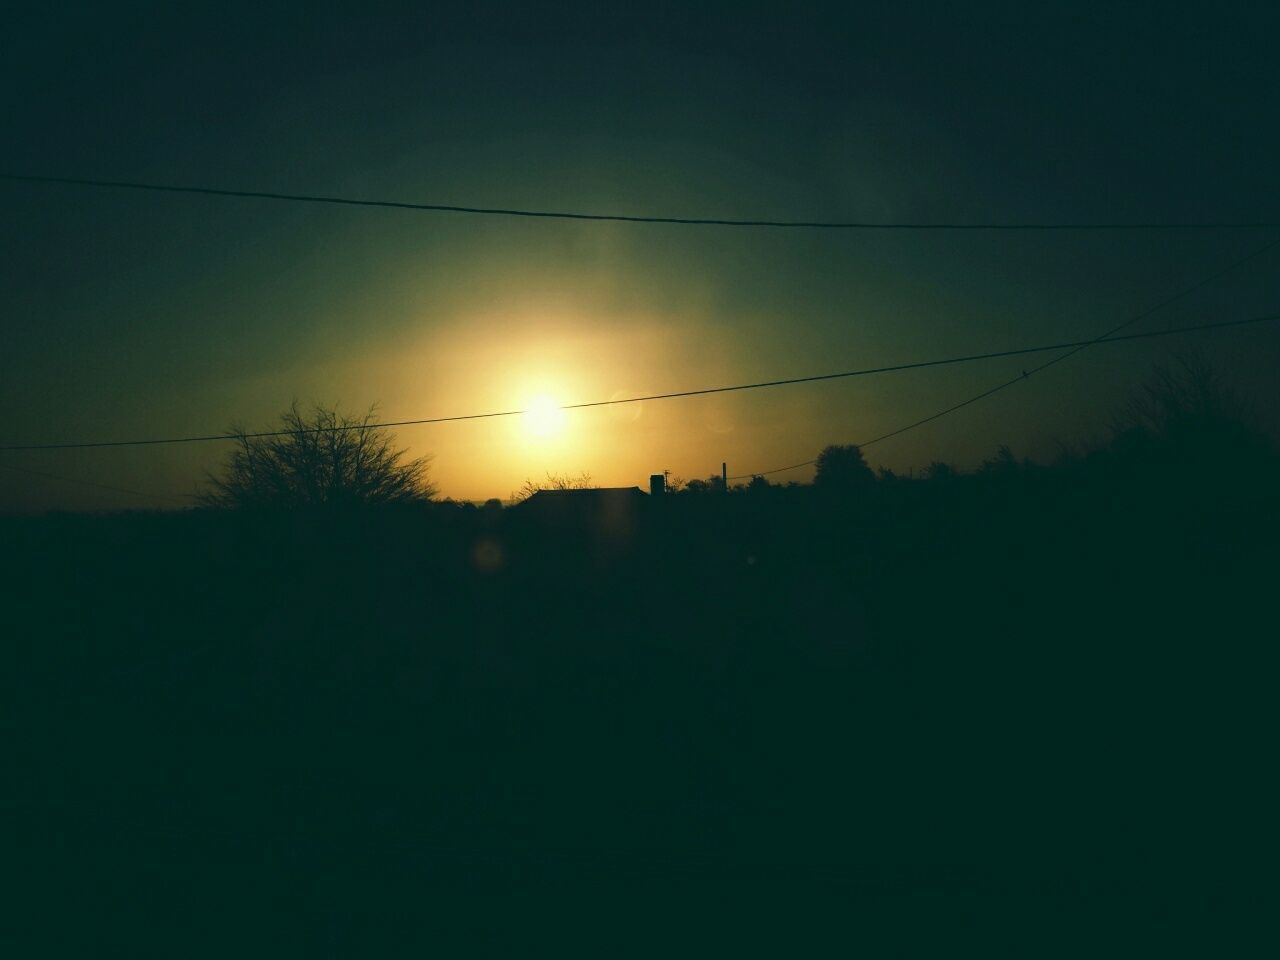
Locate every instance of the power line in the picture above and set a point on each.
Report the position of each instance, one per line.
(1027, 374)
(625, 218)
(869, 371)
(101, 486)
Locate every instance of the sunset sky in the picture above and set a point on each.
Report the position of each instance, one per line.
(130, 314)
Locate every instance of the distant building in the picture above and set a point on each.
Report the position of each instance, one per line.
(606, 509)
(588, 498)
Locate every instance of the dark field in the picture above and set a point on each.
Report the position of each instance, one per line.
(1032, 706)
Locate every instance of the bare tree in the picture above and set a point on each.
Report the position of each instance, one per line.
(1187, 392)
(554, 481)
(320, 458)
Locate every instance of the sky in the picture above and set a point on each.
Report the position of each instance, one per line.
(132, 315)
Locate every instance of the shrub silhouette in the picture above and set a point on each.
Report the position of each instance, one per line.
(843, 468)
(713, 484)
(1004, 463)
(941, 472)
(320, 459)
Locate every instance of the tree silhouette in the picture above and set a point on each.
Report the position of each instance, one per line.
(322, 458)
(713, 484)
(1187, 394)
(1003, 463)
(940, 472)
(843, 468)
(1187, 419)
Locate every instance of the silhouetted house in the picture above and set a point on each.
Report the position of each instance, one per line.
(613, 510)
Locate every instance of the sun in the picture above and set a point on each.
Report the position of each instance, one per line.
(544, 419)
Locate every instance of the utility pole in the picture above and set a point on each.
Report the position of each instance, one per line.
(724, 476)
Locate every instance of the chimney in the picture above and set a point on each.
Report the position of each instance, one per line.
(658, 484)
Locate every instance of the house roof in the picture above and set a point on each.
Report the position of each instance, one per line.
(586, 495)
(609, 511)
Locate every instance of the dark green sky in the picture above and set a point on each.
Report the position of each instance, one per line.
(129, 314)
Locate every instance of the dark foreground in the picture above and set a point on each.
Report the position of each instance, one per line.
(1029, 712)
